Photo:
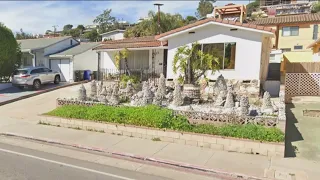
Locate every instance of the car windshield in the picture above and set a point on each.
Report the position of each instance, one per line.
(20, 71)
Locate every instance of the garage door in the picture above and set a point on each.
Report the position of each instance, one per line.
(62, 66)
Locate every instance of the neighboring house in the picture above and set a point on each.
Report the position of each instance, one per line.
(247, 58)
(245, 48)
(294, 34)
(145, 53)
(80, 57)
(112, 35)
(35, 52)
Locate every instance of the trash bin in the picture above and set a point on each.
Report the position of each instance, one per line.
(86, 75)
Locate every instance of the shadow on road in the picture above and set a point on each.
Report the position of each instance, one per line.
(15, 90)
(292, 133)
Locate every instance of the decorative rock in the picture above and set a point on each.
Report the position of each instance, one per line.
(108, 92)
(100, 87)
(177, 95)
(162, 86)
(103, 94)
(266, 103)
(244, 105)
(229, 100)
(82, 95)
(129, 89)
(169, 96)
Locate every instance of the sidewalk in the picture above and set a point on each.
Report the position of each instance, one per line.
(250, 165)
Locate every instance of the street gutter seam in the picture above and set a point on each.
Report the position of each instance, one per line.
(133, 156)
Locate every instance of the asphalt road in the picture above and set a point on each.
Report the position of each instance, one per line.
(21, 164)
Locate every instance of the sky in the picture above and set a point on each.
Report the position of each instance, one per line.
(38, 16)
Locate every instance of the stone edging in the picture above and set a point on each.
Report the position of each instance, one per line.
(201, 140)
(40, 92)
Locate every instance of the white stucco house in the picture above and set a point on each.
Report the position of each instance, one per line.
(112, 35)
(80, 57)
(244, 49)
(35, 52)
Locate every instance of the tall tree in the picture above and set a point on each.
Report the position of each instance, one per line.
(315, 7)
(10, 54)
(92, 35)
(81, 28)
(66, 29)
(190, 19)
(48, 31)
(23, 35)
(150, 27)
(205, 7)
(74, 32)
(105, 20)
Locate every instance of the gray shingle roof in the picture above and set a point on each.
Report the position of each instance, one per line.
(77, 49)
(40, 43)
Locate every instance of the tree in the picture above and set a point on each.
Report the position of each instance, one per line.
(149, 27)
(10, 53)
(92, 35)
(190, 19)
(74, 32)
(123, 55)
(23, 35)
(315, 7)
(194, 63)
(105, 20)
(205, 7)
(67, 27)
(81, 28)
(48, 31)
(251, 7)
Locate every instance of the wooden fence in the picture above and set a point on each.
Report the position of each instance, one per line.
(302, 67)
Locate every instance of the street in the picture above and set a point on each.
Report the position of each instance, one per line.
(21, 163)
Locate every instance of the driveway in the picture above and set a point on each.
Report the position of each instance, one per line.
(303, 132)
(13, 92)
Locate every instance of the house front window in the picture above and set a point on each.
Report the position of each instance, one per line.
(290, 31)
(225, 52)
(298, 47)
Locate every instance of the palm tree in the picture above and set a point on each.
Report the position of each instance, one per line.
(123, 54)
(194, 63)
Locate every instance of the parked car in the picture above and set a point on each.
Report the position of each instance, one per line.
(34, 77)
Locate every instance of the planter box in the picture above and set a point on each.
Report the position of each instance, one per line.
(192, 139)
(5, 86)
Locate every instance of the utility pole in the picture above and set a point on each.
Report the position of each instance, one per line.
(159, 28)
(54, 30)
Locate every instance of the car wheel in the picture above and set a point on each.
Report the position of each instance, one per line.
(57, 79)
(36, 84)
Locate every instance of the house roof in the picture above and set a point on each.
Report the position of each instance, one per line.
(138, 42)
(288, 19)
(76, 49)
(32, 44)
(215, 20)
(117, 30)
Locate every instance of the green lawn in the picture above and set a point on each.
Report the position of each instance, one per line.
(156, 117)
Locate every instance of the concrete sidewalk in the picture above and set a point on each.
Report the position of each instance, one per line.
(250, 165)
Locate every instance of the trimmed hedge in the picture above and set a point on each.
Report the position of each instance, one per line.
(157, 117)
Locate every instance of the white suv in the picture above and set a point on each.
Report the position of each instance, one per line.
(34, 77)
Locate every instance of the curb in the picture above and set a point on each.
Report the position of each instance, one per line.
(133, 156)
(40, 92)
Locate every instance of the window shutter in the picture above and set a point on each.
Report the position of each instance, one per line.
(315, 32)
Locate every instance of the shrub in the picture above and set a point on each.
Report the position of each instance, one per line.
(157, 117)
(124, 79)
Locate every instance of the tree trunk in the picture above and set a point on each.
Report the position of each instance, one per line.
(127, 67)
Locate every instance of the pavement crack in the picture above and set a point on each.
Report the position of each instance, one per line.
(208, 159)
(160, 149)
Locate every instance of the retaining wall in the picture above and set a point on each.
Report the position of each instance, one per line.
(200, 140)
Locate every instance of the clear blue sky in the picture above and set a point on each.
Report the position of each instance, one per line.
(38, 16)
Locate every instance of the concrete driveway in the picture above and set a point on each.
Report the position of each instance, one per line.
(13, 92)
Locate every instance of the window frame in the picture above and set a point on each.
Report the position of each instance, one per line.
(294, 47)
(315, 31)
(290, 30)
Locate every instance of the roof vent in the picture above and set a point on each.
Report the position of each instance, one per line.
(234, 29)
(192, 32)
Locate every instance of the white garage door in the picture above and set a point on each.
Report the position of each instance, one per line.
(62, 66)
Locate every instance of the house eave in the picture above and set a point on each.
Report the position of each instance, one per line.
(142, 48)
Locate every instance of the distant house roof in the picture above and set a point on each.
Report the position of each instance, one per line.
(138, 42)
(76, 49)
(215, 20)
(288, 19)
(32, 44)
(117, 30)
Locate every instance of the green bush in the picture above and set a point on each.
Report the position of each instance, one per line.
(124, 79)
(157, 117)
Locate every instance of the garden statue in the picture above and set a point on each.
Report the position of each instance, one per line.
(219, 100)
(220, 85)
(244, 105)
(114, 100)
(266, 103)
(147, 94)
(162, 86)
(93, 93)
(177, 95)
(129, 89)
(203, 85)
(103, 94)
(82, 94)
(229, 100)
